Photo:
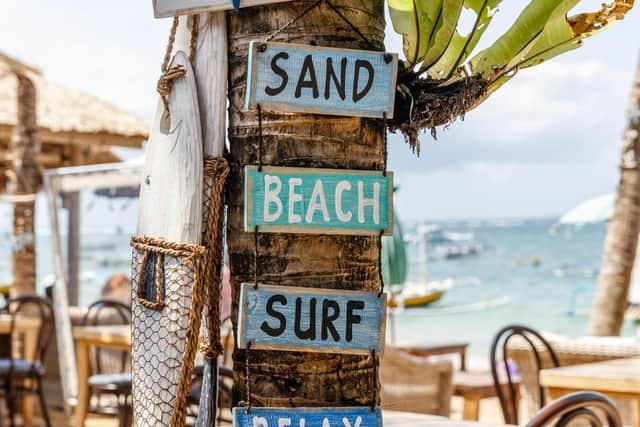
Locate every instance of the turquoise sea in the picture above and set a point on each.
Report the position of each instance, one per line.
(501, 284)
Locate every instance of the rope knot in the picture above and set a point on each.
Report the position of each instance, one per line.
(165, 82)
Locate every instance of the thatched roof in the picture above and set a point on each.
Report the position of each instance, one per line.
(68, 111)
(75, 128)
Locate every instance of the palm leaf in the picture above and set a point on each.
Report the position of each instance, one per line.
(461, 46)
(561, 34)
(416, 21)
(444, 32)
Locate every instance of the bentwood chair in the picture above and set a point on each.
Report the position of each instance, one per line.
(508, 393)
(111, 375)
(578, 406)
(20, 377)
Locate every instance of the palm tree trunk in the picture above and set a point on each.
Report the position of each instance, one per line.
(610, 301)
(322, 261)
(24, 179)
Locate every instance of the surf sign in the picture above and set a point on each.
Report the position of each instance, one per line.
(322, 80)
(309, 319)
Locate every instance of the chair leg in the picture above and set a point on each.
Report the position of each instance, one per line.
(11, 407)
(43, 404)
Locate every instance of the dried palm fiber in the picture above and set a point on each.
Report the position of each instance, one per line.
(425, 103)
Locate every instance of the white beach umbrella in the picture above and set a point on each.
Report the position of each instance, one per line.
(598, 209)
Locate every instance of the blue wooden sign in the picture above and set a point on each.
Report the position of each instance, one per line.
(322, 80)
(318, 201)
(310, 319)
(307, 417)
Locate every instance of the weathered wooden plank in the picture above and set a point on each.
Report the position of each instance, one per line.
(166, 8)
(318, 201)
(310, 319)
(307, 417)
(170, 208)
(321, 80)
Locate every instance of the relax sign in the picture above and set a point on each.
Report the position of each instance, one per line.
(310, 79)
(307, 417)
(309, 319)
(320, 201)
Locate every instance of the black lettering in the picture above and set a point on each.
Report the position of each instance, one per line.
(311, 82)
(341, 85)
(353, 318)
(328, 319)
(310, 333)
(274, 332)
(279, 71)
(357, 96)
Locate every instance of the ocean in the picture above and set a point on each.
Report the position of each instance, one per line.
(523, 273)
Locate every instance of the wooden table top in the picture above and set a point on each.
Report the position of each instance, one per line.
(619, 375)
(116, 335)
(407, 419)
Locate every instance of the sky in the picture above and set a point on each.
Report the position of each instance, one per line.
(546, 141)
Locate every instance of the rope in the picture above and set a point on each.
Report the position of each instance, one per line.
(260, 138)
(255, 257)
(179, 414)
(170, 74)
(216, 170)
(247, 379)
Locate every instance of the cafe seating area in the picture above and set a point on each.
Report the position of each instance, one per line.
(537, 378)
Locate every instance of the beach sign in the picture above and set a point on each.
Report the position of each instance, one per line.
(311, 79)
(309, 319)
(167, 8)
(318, 201)
(307, 417)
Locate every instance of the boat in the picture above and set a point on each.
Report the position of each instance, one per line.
(400, 292)
(418, 294)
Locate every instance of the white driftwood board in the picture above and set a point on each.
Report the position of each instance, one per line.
(167, 8)
(170, 209)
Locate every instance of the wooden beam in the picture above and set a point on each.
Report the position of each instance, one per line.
(74, 138)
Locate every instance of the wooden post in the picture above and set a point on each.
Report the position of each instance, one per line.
(71, 202)
(24, 180)
(321, 261)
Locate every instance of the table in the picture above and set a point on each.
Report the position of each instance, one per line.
(28, 327)
(471, 386)
(619, 378)
(408, 419)
(110, 336)
(425, 350)
(106, 336)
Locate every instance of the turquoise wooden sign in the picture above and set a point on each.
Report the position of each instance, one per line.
(321, 80)
(310, 319)
(307, 417)
(318, 201)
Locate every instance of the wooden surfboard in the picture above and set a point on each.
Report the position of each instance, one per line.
(170, 209)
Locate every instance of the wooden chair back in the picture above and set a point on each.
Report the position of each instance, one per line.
(108, 312)
(30, 306)
(499, 361)
(578, 406)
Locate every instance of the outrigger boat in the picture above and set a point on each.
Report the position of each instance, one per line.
(394, 269)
